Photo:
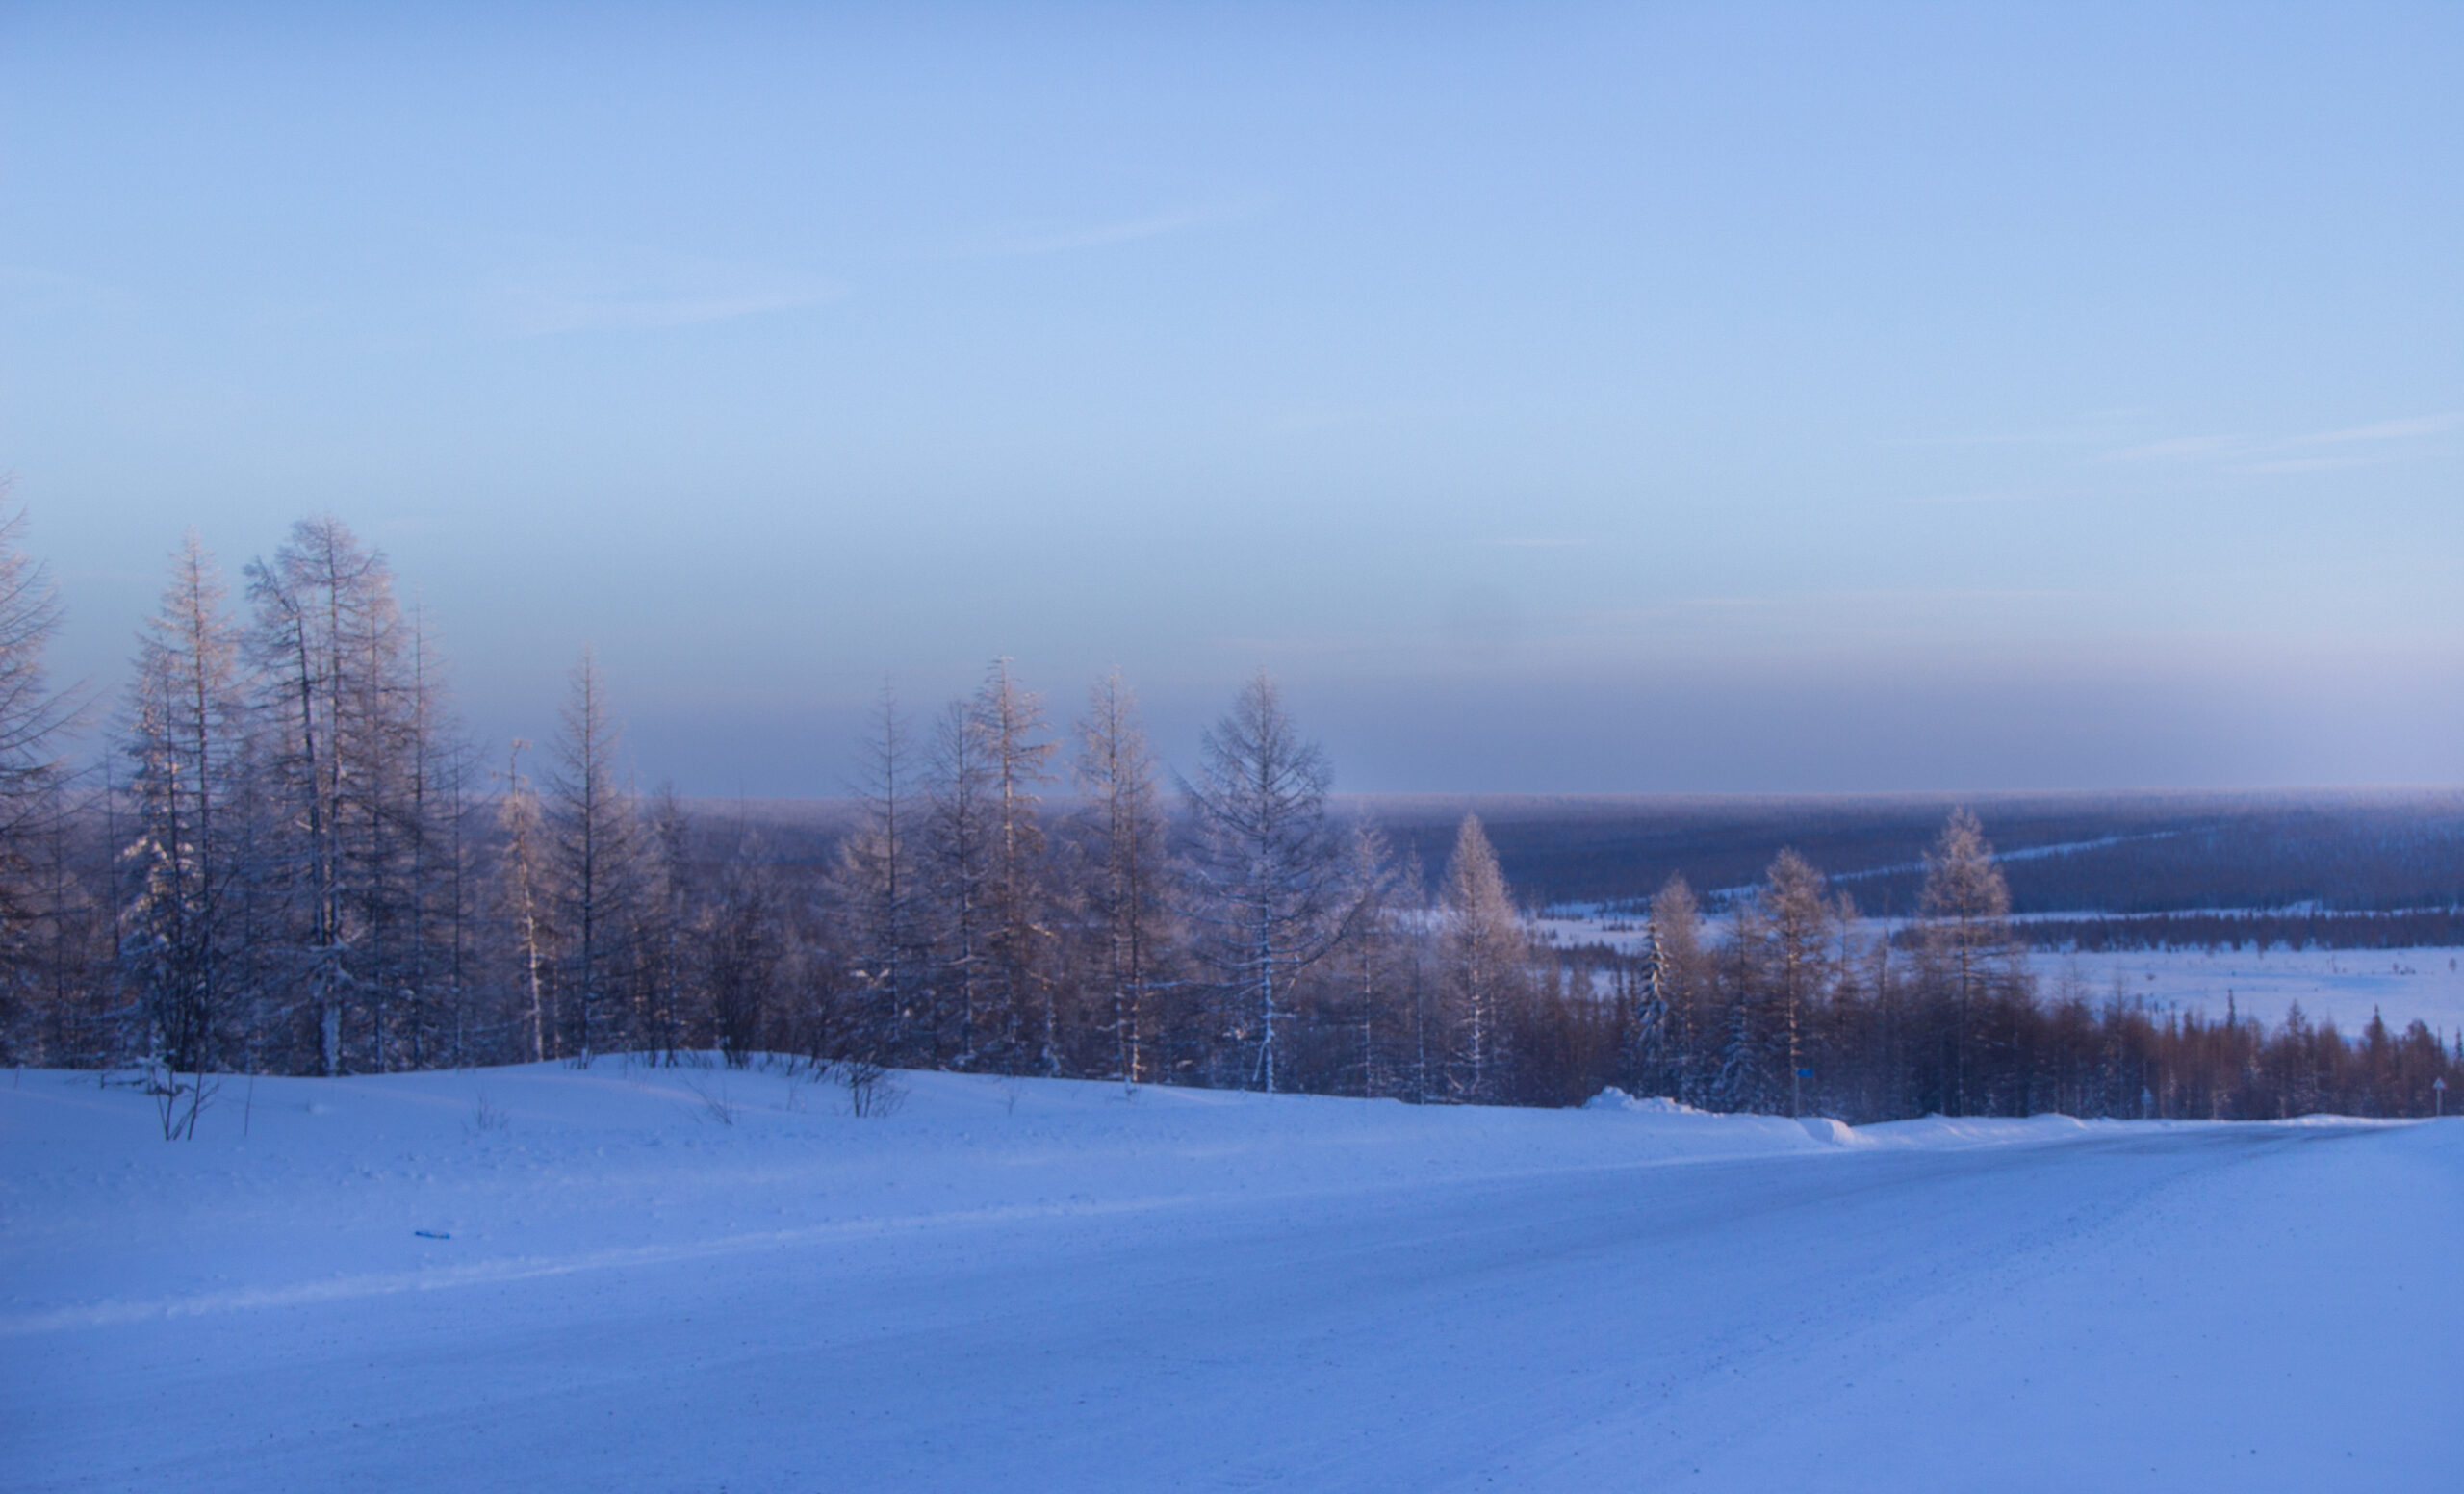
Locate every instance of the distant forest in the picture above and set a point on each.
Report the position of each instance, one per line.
(2325, 853)
(2421, 928)
(292, 860)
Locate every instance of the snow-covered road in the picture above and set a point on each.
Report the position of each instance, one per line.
(1029, 1285)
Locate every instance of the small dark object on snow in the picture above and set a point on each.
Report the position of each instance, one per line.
(431, 1234)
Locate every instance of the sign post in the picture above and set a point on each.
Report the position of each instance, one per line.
(2438, 1098)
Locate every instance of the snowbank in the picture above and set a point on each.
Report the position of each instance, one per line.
(1615, 1099)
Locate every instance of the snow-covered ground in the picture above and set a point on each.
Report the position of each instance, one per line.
(688, 1279)
(2403, 984)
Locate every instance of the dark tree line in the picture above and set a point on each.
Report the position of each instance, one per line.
(294, 861)
(2413, 929)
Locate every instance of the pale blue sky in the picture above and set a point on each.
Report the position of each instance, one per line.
(1556, 398)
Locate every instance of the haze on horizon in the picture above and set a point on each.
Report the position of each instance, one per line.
(1556, 398)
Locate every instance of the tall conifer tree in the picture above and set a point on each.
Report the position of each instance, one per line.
(1486, 957)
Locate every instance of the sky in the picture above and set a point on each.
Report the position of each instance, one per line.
(1551, 398)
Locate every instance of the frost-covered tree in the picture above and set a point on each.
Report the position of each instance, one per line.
(1398, 920)
(961, 844)
(1745, 1077)
(1967, 909)
(1670, 1021)
(1485, 958)
(1008, 719)
(664, 973)
(1797, 922)
(743, 946)
(1268, 894)
(433, 970)
(522, 903)
(338, 710)
(33, 718)
(186, 742)
(1376, 979)
(1127, 874)
(594, 851)
(879, 898)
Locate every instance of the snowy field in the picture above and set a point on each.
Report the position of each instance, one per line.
(2403, 985)
(693, 1280)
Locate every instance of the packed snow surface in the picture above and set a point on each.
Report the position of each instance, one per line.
(545, 1279)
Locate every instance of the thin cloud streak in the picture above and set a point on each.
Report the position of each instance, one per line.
(555, 315)
(2091, 427)
(637, 288)
(2309, 464)
(1019, 241)
(1866, 596)
(2251, 455)
(2386, 431)
(2180, 449)
(1992, 496)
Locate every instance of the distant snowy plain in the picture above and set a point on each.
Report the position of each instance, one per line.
(701, 1280)
(2401, 984)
